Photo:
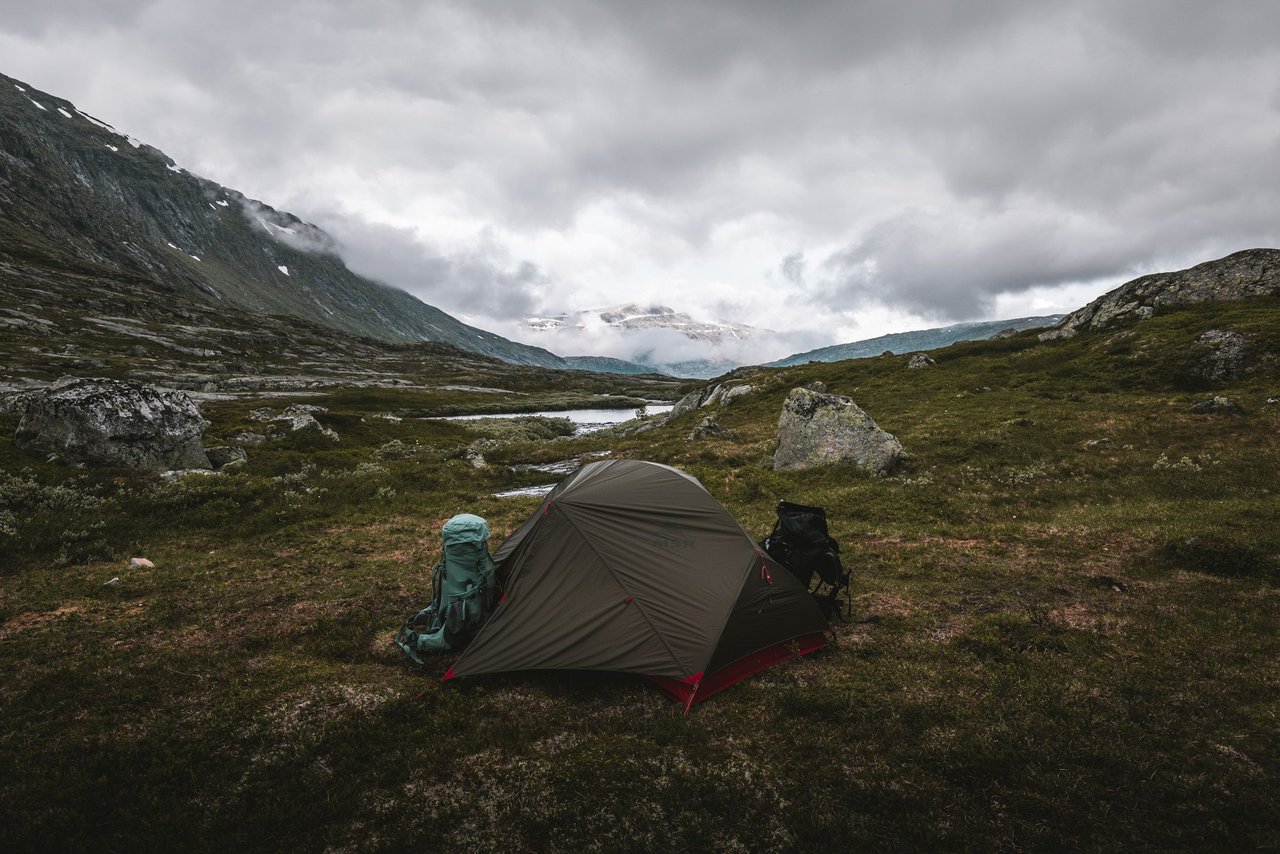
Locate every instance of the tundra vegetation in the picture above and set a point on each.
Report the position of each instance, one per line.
(1063, 636)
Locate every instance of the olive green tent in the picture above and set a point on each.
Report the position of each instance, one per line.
(633, 567)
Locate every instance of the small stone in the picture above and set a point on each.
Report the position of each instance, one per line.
(709, 429)
(1096, 443)
(1216, 404)
(140, 563)
(112, 583)
(226, 456)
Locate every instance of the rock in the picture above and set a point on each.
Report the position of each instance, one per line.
(222, 456)
(715, 397)
(114, 422)
(886, 353)
(138, 351)
(688, 403)
(1226, 356)
(822, 429)
(709, 429)
(250, 439)
(140, 563)
(1097, 443)
(1216, 404)
(474, 453)
(705, 396)
(300, 417)
(1251, 273)
(112, 583)
(920, 360)
(817, 385)
(176, 474)
(15, 402)
(736, 392)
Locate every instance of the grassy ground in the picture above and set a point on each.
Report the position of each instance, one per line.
(1058, 643)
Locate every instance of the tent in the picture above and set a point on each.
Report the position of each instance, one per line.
(633, 567)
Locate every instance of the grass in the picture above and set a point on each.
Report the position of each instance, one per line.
(1058, 643)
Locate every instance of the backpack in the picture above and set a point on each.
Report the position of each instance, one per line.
(463, 592)
(800, 543)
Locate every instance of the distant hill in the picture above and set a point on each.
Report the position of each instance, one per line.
(607, 365)
(78, 195)
(1248, 273)
(911, 342)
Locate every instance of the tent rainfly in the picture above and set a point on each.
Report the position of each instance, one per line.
(633, 567)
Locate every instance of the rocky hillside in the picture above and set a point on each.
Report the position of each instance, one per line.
(75, 194)
(1249, 273)
(909, 342)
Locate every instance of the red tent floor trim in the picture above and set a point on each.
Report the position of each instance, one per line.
(689, 692)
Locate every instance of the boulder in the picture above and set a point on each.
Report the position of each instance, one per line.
(920, 360)
(736, 392)
(709, 429)
(1226, 356)
(823, 429)
(300, 417)
(226, 456)
(114, 422)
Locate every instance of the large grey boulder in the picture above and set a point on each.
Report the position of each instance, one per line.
(823, 429)
(116, 423)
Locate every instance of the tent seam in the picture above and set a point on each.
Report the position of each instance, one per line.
(623, 588)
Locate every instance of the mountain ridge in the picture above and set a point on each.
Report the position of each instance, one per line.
(79, 193)
(915, 340)
(1242, 274)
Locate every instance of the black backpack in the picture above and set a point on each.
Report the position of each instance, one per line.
(800, 543)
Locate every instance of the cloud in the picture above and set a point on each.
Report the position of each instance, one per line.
(859, 163)
(479, 280)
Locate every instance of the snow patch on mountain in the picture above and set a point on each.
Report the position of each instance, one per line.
(654, 336)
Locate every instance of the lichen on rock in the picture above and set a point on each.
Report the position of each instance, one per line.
(823, 429)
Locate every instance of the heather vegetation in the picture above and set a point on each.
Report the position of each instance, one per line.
(1063, 635)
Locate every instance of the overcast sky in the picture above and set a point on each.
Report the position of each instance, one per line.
(829, 170)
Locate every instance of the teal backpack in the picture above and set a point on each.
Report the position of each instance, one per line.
(462, 592)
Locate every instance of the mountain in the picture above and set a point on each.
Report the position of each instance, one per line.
(631, 317)
(922, 339)
(78, 195)
(1248, 273)
(633, 326)
(608, 365)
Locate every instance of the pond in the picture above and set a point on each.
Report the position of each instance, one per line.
(587, 420)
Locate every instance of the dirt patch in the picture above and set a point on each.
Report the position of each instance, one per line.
(31, 621)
